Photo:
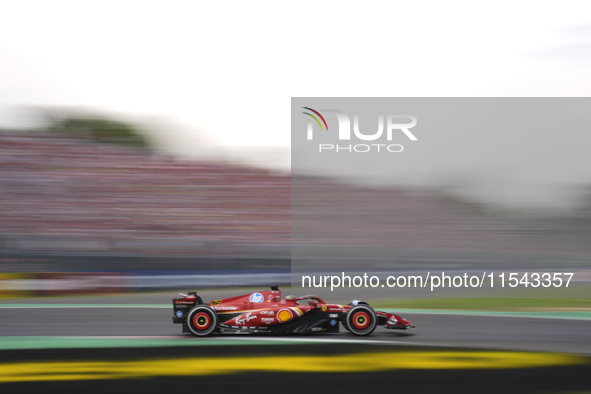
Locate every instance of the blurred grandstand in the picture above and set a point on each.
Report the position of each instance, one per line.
(63, 194)
(70, 197)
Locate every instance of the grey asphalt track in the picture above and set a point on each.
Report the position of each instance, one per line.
(490, 332)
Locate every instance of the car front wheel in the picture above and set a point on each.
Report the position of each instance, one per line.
(361, 320)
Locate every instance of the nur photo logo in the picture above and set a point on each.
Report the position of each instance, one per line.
(389, 126)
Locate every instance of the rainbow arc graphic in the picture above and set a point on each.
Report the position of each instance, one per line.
(315, 118)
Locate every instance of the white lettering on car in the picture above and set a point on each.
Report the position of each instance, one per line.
(248, 317)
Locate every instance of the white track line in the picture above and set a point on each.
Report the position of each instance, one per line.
(243, 337)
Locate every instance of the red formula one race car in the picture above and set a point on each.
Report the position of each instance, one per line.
(267, 312)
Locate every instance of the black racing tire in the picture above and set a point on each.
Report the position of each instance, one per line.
(361, 320)
(202, 320)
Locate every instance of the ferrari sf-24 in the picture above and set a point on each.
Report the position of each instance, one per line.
(266, 311)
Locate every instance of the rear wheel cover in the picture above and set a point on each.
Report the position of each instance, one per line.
(202, 320)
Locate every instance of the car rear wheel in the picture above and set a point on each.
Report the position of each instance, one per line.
(202, 320)
(361, 320)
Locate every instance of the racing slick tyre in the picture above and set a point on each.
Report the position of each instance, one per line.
(361, 320)
(202, 320)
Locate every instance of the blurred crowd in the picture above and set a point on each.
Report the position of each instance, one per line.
(63, 194)
(58, 193)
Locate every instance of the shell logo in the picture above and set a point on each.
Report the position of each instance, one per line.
(284, 315)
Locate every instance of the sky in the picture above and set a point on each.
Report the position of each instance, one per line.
(221, 74)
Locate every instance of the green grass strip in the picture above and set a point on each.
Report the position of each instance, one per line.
(22, 343)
